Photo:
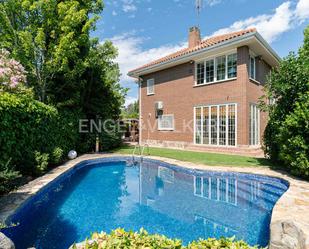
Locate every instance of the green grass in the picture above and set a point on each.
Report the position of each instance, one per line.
(211, 159)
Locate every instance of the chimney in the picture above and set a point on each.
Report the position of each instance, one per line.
(194, 37)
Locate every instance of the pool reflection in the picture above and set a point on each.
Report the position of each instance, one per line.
(214, 204)
(104, 195)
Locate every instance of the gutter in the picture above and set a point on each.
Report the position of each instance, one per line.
(188, 57)
(265, 44)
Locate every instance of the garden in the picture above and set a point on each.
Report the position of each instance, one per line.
(53, 74)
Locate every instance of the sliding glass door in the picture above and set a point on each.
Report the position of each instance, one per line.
(218, 125)
(254, 125)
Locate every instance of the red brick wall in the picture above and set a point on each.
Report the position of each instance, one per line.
(255, 90)
(175, 87)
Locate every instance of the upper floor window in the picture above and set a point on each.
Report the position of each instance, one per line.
(216, 69)
(166, 122)
(150, 86)
(232, 66)
(252, 68)
(221, 64)
(210, 71)
(200, 73)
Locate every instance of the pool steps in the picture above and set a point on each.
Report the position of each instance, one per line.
(141, 150)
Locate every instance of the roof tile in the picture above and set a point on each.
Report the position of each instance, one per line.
(204, 44)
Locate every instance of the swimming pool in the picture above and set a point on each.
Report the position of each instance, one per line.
(103, 194)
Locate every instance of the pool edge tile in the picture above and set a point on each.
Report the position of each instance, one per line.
(289, 226)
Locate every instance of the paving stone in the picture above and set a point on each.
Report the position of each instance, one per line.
(5, 242)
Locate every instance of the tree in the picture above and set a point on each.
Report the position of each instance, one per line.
(286, 138)
(131, 111)
(74, 75)
(51, 39)
(101, 76)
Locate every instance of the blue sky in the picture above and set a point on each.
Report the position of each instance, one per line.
(144, 30)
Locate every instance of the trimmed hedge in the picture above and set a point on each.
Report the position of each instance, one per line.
(120, 238)
(33, 134)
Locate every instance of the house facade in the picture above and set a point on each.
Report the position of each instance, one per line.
(206, 96)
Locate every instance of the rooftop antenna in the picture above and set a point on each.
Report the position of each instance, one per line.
(198, 6)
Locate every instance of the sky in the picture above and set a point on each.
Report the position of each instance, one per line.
(145, 30)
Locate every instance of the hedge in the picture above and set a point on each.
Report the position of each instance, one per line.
(120, 238)
(33, 134)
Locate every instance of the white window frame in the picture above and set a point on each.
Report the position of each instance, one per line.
(214, 64)
(254, 134)
(227, 197)
(195, 72)
(254, 68)
(227, 65)
(226, 54)
(149, 86)
(164, 128)
(209, 127)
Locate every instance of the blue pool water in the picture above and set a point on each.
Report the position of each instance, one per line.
(105, 194)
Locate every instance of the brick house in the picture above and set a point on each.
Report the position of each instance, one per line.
(205, 96)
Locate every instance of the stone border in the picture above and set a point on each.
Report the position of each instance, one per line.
(290, 218)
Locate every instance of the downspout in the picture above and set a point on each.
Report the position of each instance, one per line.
(140, 110)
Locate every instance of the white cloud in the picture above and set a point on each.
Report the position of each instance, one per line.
(130, 100)
(213, 2)
(114, 13)
(132, 55)
(271, 26)
(128, 6)
(302, 9)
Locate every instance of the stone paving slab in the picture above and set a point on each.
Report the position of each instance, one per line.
(290, 218)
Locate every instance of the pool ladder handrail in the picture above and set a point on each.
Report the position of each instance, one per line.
(141, 150)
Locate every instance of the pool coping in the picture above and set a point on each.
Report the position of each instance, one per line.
(289, 226)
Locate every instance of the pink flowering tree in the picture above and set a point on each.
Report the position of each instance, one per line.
(12, 73)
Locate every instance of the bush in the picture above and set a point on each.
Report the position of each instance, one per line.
(7, 175)
(111, 137)
(294, 136)
(33, 134)
(57, 155)
(286, 138)
(119, 238)
(41, 162)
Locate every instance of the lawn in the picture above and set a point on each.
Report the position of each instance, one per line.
(211, 159)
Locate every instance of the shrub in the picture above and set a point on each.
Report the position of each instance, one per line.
(111, 137)
(35, 135)
(286, 138)
(12, 73)
(294, 136)
(119, 238)
(57, 155)
(41, 161)
(212, 243)
(7, 175)
(32, 133)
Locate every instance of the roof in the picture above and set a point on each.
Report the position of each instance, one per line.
(204, 44)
